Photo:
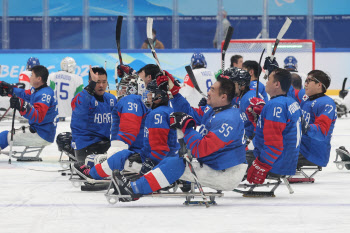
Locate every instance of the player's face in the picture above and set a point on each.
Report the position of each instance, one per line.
(312, 86)
(269, 87)
(239, 63)
(35, 81)
(101, 84)
(214, 97)
(145, 78)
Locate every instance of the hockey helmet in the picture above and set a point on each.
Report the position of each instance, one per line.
(157, 94)
(291, 63)
(198, 61)
(64, 141)
(232, 73)
(32, 61)
(68, 64)
(131, 85)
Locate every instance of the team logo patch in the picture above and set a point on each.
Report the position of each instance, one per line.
(96, 103)
(206, 109)
(305, 97)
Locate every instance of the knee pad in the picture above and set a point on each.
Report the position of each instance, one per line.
(3, 139)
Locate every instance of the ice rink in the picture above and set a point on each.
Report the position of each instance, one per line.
(46, 202)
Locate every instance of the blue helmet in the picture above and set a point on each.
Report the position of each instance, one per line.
(198, 61)
(291, 63)
(32, 61)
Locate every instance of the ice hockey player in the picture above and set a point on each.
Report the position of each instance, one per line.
(92, 116)
(159, 141)
(38, 105)
(278, 130)
(252, 67)
(219, 145)
(236, 61)
(205, 78)
(66, 85)
(24, 77)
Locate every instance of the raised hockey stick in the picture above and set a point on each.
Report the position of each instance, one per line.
(259, 69)
(183, 152)
(193, 80)
(118, 31)
(150, 41)
(224, 48)
(280, 35)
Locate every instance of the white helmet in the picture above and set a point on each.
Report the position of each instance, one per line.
(131, 84)
(68, 64)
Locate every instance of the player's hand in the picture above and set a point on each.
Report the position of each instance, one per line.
(180, 120)
(147, 165)
(19, 104)
(254, 109)
(5, 89)
(166, 81)
(270, 65)
(343, 93)
(257, 172)
(94, 76)
(123, 70)
(202, 102)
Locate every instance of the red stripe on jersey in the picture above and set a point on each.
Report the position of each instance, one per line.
(155, 156)
(268, 160)
(42, 110)
(100, 171)
(272, 156)
(24, 77)
(324, 122)
(152, 181)
(28, 92)
(273, 133)
(130, 125)
(208, 145)
(296, 92)
(188, 81)
(274, 151)
(75, 101)
(158, 139)
(199, 111)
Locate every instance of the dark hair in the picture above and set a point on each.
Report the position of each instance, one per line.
(99, 71)
(296, 81)
(154, 31)
(150, 69)
(321, 77)
(234, 59)
(226, 87)
(284, 77)
(41, 71)
(252, 65)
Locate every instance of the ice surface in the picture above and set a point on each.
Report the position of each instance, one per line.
(36, 201)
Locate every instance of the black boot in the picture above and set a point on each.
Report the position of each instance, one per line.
(82, 170)
(124, 187)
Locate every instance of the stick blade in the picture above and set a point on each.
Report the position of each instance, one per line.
(118, 29)
(228, 38)
(149, 27)
(284, 28)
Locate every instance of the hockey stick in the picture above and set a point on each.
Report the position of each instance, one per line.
(259, 69)
(183, 152)
(224, 48)
(344, 82)
(12, 133)
(193, 80)
(343, 92)
(150, 41)
(2, 117)
(118, 31)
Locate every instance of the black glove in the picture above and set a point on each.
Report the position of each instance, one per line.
(270, 65)
(180, 120)
(91, 87)
(146, 166)
(343, 93)
(304, 125)
(124, 69)
(6, 89)
(202, 102)
(19, 104)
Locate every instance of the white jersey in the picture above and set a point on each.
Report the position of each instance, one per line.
(66, 86)
(205, 78)
(24, 77)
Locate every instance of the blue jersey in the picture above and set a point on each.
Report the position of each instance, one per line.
(235, 102)
(220, 142)
(43, 113)
(278, 135)
(297, 95)
(261, 90)
(129, 121)
(244, 103)
(91, 119)
(320, 112)
(159, 140)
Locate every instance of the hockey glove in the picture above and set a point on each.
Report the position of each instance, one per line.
(20, 104)
(91, 87)
(257, 172)
(165, 84)
(253, 111)
(270, 65)
(304, 125)
(217, 74)
(343, 93)
(202, 102)
(124, 70)
(6, 89)
(180, 120)
(146, 166)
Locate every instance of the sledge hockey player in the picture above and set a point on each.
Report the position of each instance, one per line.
(218, 146)
(252, 67)
(66, 85)
(92, 116)
(205, 78)
(24, 77)
(278, 130)
(38, 105)
(236, 61)
(159, 141)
